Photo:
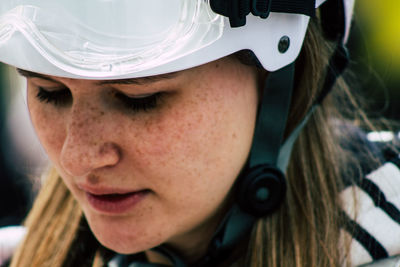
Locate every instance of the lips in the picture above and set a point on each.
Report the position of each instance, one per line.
(103, 190)
(112, 200)
(112, 197)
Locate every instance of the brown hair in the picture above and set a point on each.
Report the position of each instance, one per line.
(305, 231)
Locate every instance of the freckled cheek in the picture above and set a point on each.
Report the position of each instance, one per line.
(49, 126)
(174, 130)
(159, 137)
(180, 135)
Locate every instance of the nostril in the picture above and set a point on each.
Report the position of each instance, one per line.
(110, 153)
(108, 148)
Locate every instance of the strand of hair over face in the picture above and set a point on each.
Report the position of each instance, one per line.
(51, 225)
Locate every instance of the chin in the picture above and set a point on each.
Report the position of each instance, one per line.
(121, 236)
(122, 247)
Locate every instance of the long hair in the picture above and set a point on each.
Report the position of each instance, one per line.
(304, 231)
(52, 225)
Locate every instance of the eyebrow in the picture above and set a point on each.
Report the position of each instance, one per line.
(136, 81)
(29, 74)
(141, 80)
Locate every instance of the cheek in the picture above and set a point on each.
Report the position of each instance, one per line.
(216, 122)
(49, 126)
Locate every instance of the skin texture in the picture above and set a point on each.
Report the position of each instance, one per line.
(187, 151)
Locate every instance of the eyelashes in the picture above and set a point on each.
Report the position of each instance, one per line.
(63, 97)
(57, 98)
(142, 103)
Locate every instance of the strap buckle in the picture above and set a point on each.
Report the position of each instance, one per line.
(237, 10)
(261, 8)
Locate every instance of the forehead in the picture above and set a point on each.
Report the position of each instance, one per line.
(226, 68)
(135, 81)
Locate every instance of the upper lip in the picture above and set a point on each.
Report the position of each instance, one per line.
(103, 190)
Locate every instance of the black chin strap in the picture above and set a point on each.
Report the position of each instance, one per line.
(272, 117)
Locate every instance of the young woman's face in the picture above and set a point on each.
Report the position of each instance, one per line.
(150, 160)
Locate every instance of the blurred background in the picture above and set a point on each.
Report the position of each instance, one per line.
(21, 157)
(375, 47)
(375, 50)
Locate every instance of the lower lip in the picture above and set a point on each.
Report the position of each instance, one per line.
(115, 204)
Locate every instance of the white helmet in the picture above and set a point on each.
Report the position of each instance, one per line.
(113, 39)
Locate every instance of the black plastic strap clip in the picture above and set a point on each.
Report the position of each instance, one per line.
(261, 8)
(237, 10)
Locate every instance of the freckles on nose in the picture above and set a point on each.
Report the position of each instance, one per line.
(87, 146)
(83, 159)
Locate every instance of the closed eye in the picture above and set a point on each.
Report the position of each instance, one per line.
(141, 102)
(60, 97)
(63, 97)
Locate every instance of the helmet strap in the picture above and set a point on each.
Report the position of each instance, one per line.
(237, 10)
(337, 65)
(261, 186)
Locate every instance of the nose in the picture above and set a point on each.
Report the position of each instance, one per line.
(87, 146)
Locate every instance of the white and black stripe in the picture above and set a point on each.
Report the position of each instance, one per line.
(379, 199)
(375, 222)
(366, 240)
